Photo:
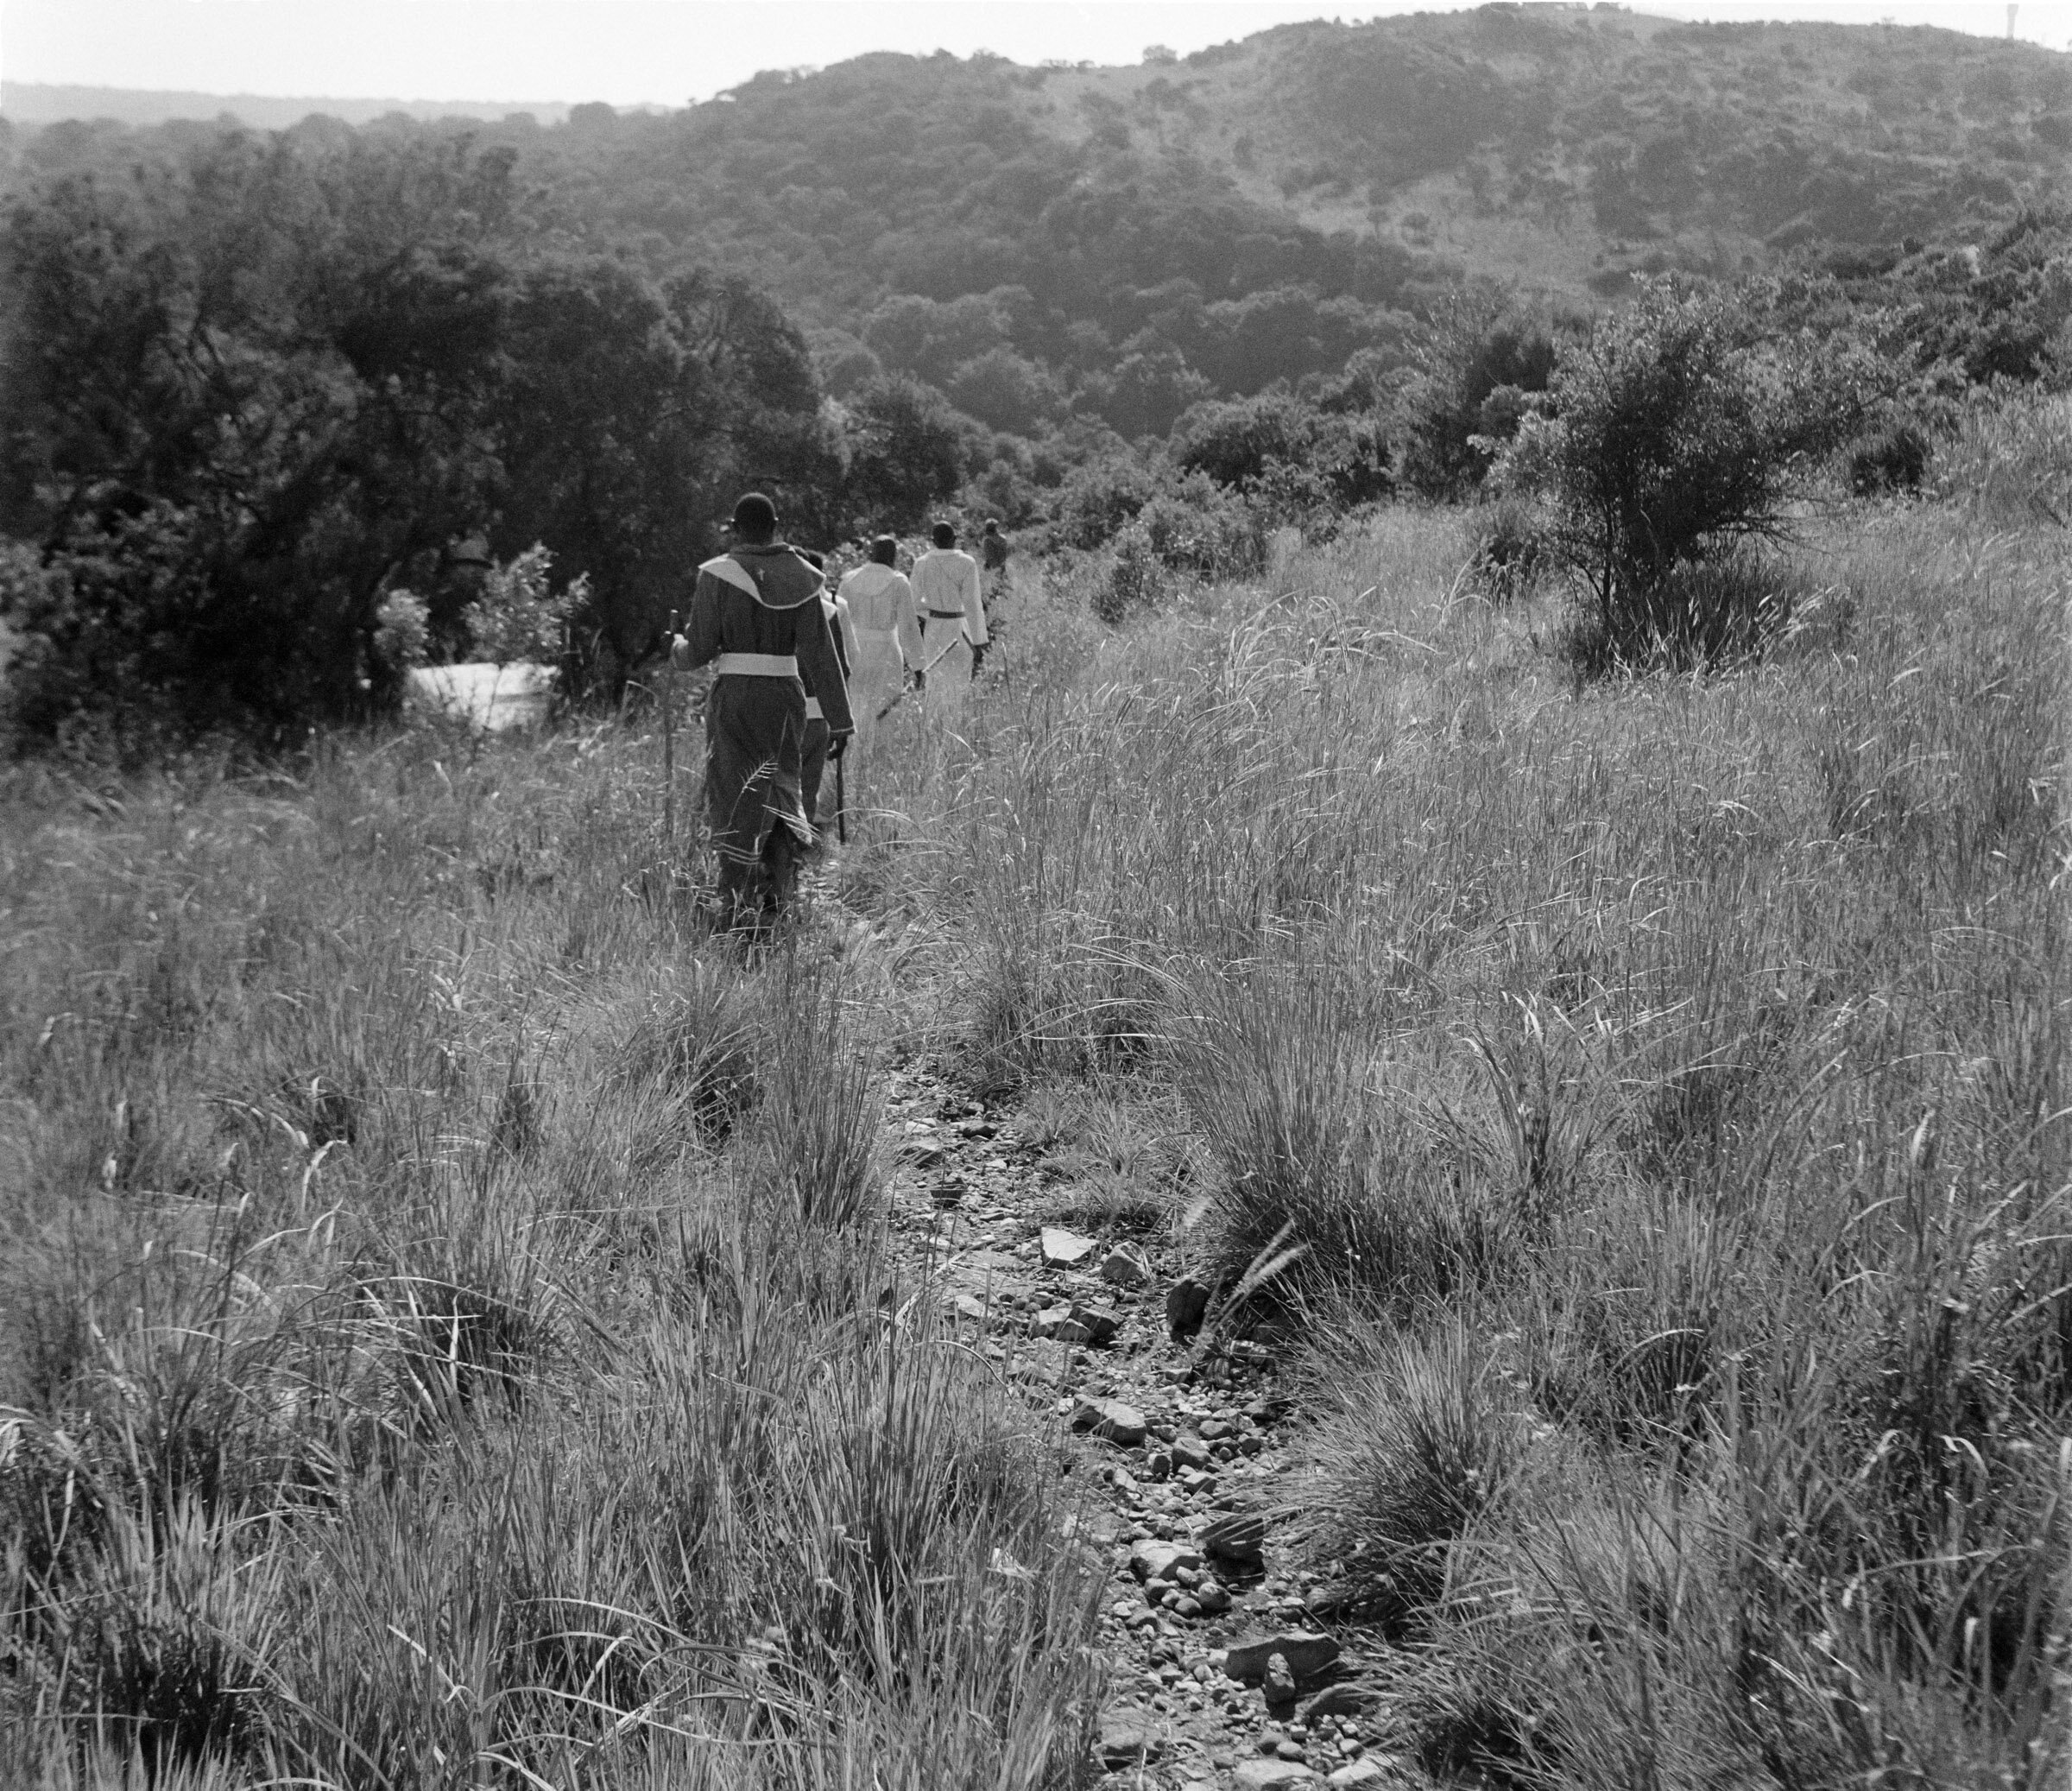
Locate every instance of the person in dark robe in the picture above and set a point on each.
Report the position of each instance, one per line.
(757, 618)
(993, 560)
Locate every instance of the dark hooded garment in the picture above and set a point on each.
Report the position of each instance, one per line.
(757, 618)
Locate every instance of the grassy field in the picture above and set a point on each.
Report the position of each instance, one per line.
(451, 1336)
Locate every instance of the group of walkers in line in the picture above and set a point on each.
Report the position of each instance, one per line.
(802, 672)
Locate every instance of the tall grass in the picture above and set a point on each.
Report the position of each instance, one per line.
(451, 1333)
(450, 1336)
(1698, 1042)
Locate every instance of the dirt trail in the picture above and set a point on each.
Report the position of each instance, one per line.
(1208, 1470)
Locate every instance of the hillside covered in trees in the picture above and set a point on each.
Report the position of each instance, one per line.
(1194, 299)
(1262, 209)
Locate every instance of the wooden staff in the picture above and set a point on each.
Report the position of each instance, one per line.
(668, 683)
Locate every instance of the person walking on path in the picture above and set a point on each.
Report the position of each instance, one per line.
(885, 634)
(952, 617)
(992, 559)
(757, 619)
(814, 757)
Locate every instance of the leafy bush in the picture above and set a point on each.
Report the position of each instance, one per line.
(1507, 550)
(1473, 347)
(1100, 496)
(907, 450)
(1136, 581)
(1300, 456)
(518, 616)
(254, 387)
(1234, 441)
(1895, 460)
(402, 631)
(1195, 526)
(1676, 430)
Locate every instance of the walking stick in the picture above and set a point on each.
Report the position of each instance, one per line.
(930, 667)
(841, 800)
(668, 682)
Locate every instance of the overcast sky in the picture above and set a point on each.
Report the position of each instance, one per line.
(671, 51)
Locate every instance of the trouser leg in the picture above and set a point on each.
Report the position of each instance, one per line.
(737, 896)
(781, 856)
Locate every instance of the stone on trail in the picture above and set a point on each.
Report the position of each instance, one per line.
(1151, 1560)
(1073, 1322)
(1061, 1248)
(1126, 1266)
(1046, 1322)
(1271, 1774)
(1190, 1452)
(1128, 1737)
(1366, 1771)
(1343, 1700)
(1111, 1421)
(1307, 1653)
(1280, 1680)
(1240, 1537)
(1089, 1324)
(1186, 1305)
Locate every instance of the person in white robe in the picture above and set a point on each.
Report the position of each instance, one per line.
(884, 635)
(952, 617)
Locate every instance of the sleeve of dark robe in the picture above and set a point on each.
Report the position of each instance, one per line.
(701, 627)
(821, 667)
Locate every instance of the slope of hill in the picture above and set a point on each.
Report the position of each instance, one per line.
(1548, 143)
(1123, 241)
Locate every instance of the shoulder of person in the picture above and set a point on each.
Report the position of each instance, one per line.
(778, 577)
(725, 569)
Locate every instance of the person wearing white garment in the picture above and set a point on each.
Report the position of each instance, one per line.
(952, 617)
(885, 638)
(813, 754)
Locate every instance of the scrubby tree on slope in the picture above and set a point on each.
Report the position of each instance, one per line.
(1676, 430)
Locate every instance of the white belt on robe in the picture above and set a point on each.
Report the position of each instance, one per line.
(756, 665)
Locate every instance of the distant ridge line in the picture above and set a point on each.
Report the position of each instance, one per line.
(37, 103)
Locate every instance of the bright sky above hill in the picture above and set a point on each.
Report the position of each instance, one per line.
(670, 51)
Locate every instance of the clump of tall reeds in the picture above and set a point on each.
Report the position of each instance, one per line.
(451, 1333)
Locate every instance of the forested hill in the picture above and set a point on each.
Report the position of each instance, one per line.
(1126, 240)
(1551, 145)
(293, 374)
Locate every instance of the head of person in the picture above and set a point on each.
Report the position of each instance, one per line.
(756, 520)
(885, 549)
(992, 525)
(944, 536)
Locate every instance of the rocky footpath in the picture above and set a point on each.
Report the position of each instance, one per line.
(1224, 1668)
